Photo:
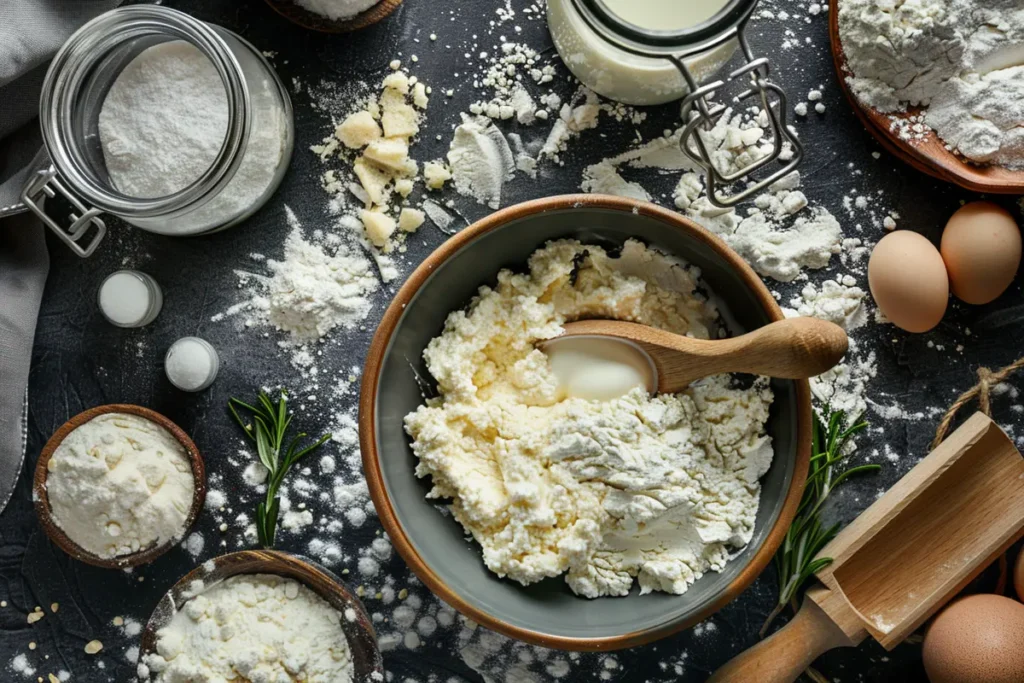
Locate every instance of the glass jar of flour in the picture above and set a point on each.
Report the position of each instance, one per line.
(646, 52)
(177, 126)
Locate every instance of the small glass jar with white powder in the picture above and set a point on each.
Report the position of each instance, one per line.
(177, 126)
(128, 298)
(191, 364)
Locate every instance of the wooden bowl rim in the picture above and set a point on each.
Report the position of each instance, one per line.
(42, 501)
(929, 155)
(312, 575)
(312, 21)
(371, 456)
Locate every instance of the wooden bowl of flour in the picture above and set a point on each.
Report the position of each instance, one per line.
(316, 22)
(396, 379)
(928, 154)
(368, 666)
(41, 498)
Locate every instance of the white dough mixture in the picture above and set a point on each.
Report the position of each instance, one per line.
(661, 488)
(963, 59)
(119, 484)
(259, 628)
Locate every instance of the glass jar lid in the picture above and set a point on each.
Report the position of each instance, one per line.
(690, 27)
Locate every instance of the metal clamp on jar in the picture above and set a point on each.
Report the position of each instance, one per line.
(73, 168)
(655, 51)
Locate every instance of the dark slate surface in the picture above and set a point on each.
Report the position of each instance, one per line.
(80, 361)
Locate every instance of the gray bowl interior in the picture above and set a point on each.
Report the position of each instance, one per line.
(549, 607)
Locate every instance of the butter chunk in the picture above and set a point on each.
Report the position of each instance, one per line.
(410, 219)
(358, 130)
(419, 96)
(435, 175)
(399, 119)
(379, 226)
(404, 186)
(397, 81)
(373, 180)
(391, 153)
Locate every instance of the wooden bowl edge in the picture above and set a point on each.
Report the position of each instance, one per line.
(371, 457)
(943, 165)
(300, 16)
(278, 563)
(41, 500)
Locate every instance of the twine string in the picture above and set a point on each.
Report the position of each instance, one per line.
(981, 391)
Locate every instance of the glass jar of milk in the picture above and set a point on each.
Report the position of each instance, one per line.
(177, 126)
(626, 76)
(645, 52)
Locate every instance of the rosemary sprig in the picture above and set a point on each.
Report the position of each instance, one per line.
(796, 561)
(269, 425)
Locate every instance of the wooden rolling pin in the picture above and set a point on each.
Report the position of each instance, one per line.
(904, 557)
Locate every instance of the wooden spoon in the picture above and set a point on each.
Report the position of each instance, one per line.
(928, 155)
(796, 348)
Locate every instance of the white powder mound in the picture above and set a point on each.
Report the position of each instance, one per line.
(662, 489)
(120, 484)
(766, 238)
(572, 119)
(481, 160)
(310, 292)
(960, 58)
(837, 302)
(336, 9)
(162, 125)
(253, 628)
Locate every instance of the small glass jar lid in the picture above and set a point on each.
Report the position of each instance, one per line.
(128, 298)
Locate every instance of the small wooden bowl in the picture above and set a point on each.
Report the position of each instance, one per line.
(42, 500)
(316, 22)
(928, 155)
(362, 640)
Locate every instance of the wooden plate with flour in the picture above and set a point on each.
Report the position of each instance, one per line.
(928, 153)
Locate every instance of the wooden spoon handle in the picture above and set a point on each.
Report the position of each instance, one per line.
(782, 657)
(796, 348)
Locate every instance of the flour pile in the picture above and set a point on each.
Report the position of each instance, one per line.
(120, 484)
(959, 58)
(310, 292)
(337, 9)
(252, 628)
(659, 488)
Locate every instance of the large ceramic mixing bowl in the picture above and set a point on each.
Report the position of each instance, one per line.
(435, 545)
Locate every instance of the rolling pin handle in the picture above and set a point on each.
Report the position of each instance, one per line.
(783, 656)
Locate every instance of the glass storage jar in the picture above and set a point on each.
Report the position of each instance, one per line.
(73, 166)
(654, 51)
(620, 75)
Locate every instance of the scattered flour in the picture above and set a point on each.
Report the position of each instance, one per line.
(310, 292)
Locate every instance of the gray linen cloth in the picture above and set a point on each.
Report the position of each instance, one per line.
(31, 31)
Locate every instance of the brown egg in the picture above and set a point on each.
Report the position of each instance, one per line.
(908, 280)
(978, 639)
(1018, 576)
(981, 247)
